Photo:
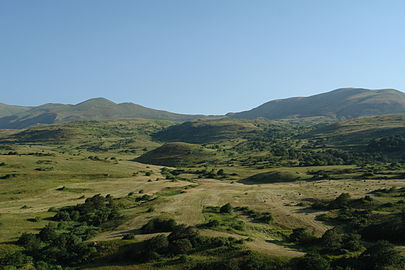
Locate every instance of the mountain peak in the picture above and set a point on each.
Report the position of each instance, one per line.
(100, 101)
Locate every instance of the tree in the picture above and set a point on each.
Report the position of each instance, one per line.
(301, 236)
(332, 239)
(157, 244)
(340, 202)
(312, 262)
(181, 246)
(380, 255)
(227, 208)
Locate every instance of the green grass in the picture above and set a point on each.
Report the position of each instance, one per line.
(98, 157)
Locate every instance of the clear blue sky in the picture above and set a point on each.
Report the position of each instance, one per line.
(197, 56)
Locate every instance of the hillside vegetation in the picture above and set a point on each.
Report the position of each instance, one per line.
(246, 194)
(361, 130)
(206, 131)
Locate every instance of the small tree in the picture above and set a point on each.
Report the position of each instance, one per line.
(312, 262)
(181, 246)
(301, 236)
(227, 208)
(332, 239)
(157, 244)
(380, 255)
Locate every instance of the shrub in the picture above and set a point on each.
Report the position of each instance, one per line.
(340, 202)
(158, 244)
(311, 262)
(17, 259)
(181, 246)
(227, 208)
(159, 225)
(380, 255)
(128, 236)
(301, 236)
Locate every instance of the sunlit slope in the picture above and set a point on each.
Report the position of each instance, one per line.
(126, 136)
(340, 104)
(206, 131)
(361, 130)
(177, 154)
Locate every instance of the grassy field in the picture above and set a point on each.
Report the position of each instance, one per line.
(38, 172)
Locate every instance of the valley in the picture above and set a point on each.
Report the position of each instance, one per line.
(266, 170)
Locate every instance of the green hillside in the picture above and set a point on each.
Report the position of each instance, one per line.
(341, 104)
(177, 154)
(251, 194)
(206, 131)
(125, 136)
(275, 176)
(7, 110)
(360, 131)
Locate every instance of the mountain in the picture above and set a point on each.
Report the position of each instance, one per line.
(14, 117)
(341, 104)
(7, 110)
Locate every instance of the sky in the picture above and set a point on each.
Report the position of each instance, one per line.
(197, 56)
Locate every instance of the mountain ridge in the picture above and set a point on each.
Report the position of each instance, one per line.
(91, 109)
(339, 103)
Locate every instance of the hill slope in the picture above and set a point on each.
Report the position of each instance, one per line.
(7, 110)
(176, 154)
(340, 103)
(205, 131)
(360, 130)
(93, 109)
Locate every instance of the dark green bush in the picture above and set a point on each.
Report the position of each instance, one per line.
(159, 225)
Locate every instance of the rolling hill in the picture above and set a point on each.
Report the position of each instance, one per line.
(14, 117)
(177, 154)
(360, 130)
(7, 110)
(205, 131)
(338, 104)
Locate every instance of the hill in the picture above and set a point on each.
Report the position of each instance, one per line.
(7, 110)
(205, 131)
(360, 130)
(338, 104)
(276, 176)
(12, 117)
(124, 136)
(176, 154)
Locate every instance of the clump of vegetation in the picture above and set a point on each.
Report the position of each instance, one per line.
(275, 176)
(159, 225)
(223, 219)
(95, 211)
(226, 208)
(181, 240)
(263, 217)
(302, 236)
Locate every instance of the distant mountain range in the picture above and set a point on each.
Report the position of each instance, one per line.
(342, 103)
(16, 117)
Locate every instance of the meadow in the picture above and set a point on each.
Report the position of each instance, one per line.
(270, 180)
